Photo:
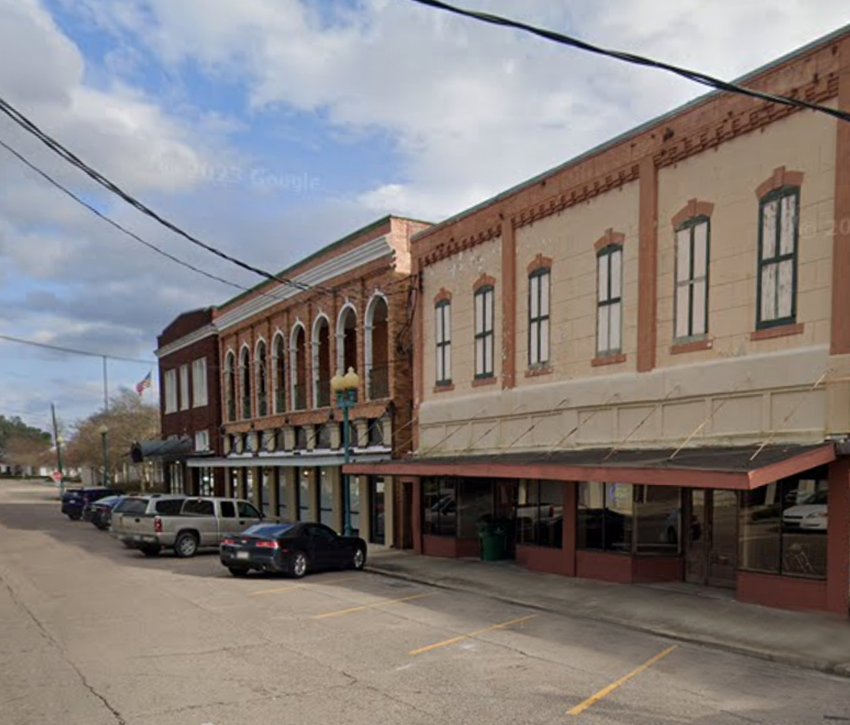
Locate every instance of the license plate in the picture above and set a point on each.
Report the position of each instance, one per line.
(243, 554)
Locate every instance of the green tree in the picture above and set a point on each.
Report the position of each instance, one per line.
(23, 446)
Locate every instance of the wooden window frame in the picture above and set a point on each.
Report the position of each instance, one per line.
(535, 342)
(691, 224)
(486, 334)
(777, 195)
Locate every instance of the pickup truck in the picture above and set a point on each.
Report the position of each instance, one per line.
(200, 523)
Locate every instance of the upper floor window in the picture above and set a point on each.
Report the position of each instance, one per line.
(609, 311)
(484, 331)
(171, 391)
(779, 213)
(230, 385)
(199, 383)
(185, 402)
(692, 278)
(262, 380)
(538, 317)
(245, 373)
(443, 313)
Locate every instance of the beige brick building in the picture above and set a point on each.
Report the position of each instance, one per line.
(638, 363)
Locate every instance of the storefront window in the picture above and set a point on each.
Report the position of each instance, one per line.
(540, 513)
(304, 492)
(439, 507)
(354, 485)
(207, 481)
(605, 516)
(476, 505)
(326, 501)
(658, 517)
(784, 527)
(265, 490)
(377, 495)
(282, 500)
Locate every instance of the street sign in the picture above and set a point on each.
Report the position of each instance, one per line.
(56, 476)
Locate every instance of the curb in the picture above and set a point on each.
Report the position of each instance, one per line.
(841, 670)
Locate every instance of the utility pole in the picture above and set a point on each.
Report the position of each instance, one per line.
(58, 441)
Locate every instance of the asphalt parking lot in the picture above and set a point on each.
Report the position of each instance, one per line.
(94, 633)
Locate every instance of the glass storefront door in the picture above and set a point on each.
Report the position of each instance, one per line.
(711, 537)
(377, 511)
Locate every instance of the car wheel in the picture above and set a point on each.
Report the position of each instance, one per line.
(129, 545)
(75, 517)
(299, 564)
(358, 561)
(102, 526)
(186, 546)
(150, 550)
(237, 571)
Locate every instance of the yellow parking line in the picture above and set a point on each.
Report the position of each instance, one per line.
(447, 642)
(369, 606)
(301, 586)
(605, 691)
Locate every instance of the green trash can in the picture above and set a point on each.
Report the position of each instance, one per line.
(492, 539)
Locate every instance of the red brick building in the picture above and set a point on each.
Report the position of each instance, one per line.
(190, 404)
(347, 306)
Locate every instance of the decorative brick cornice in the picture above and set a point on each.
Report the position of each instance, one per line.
(780, 178)
(485, 280)
(455, 246)
(442, 296)
(610, 237)
(539, 262)
(743, 120)
(693, 208)
(576, 195)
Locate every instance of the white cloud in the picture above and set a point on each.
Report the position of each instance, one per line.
(473, 109)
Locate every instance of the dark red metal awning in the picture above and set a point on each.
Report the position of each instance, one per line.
(734, 467)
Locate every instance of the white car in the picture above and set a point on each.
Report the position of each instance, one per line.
(808, 515)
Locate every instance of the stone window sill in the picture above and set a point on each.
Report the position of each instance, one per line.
(608, 360)
(769, 333)
(479, 382)
(680, 348)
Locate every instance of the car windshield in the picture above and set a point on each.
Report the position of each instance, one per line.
(269, 531)
(132, 506)
(815, 498)
(109, 501)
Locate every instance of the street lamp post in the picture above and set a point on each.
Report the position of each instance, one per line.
(103, 431)
(345, 389)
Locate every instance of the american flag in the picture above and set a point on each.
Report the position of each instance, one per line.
(144, 383)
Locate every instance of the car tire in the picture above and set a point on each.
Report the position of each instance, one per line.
(237, 571)
(358, 559)
(149, 550)
(186, 545)
(75, 517)
(300, 564)
(129, 545)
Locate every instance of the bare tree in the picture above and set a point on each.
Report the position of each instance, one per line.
(128, 420)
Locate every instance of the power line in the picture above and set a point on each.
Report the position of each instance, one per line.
(150, 245)
(72, 351)
(691, 75)
(50, 180)
(21, 120)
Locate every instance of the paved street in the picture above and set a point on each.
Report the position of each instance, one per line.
(95, 634)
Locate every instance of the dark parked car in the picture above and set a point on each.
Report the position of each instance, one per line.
(99, 513)
(75, 500)
(291, 549)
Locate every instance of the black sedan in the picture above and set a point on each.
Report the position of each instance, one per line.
(291, 549)
(99, 512)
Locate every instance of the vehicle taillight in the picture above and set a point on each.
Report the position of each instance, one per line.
(228, 542)
(267, 545)
(157, 525)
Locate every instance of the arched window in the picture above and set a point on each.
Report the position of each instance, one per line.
(322, 362)
(298, 366)
(377, 348)
(346, 339)
(245, 375)
(262, 380)
(230, 385)
(279, 374)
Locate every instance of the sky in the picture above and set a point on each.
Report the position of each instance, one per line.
(270, 128)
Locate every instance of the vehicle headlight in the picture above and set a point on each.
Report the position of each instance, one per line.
(816, 515)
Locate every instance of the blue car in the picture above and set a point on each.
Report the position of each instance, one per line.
(74, 501)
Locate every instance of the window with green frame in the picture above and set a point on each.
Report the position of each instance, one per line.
(443, 317)
(692, 239)
(538, 317)
(484, 332)
(779, 218)
(609, 312)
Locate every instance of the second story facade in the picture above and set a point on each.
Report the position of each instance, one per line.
(685, 282)
(190, 399)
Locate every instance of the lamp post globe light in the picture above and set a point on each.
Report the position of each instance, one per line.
(344, 388)
(103, 431)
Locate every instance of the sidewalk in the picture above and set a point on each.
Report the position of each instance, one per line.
(810, 640)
